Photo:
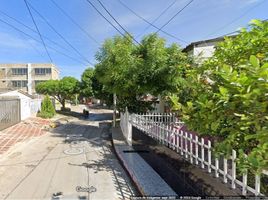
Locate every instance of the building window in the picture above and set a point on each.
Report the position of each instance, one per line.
(19, 84)
(38, 81)
(19, 71)
(42, 71)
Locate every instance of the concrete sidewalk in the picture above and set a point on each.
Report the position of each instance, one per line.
(149, 183)
(25, 130)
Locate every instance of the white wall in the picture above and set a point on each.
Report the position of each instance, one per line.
(26, 104)
(204, 51)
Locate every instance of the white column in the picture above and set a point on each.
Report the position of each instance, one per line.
(29, 78)
(114, 113)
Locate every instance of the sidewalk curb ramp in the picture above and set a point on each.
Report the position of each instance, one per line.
(147, 181)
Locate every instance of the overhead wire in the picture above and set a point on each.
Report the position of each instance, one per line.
(105, 17)
(28, 35)
(150, 23)
(176, 14)
(158, 17)
(109, 13)
(30, 43)
(60, 35)
(29, 10)
(237, 18)
(26, 26)
(74, 22)
(238, 31)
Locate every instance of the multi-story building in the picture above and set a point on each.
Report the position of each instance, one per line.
(26, 76)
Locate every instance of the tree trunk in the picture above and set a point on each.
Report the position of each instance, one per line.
(63, 103)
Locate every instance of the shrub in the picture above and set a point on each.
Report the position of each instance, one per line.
(227, 97)
(47, 108)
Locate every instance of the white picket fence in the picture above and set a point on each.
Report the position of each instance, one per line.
(166, 129)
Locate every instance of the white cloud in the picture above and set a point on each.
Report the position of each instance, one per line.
(252, 1)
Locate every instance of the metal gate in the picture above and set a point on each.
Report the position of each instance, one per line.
(9, 112)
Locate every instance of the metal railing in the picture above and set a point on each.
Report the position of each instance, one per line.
(169, 131)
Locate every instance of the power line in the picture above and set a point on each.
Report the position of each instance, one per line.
(105, 18)
(238, 31)
(15, 28)
(237, 18)
(116, 21)
(74, 22)
(19, 22)
(38, 30)
(33, 47)
(61, 36)
(150, 23)
(161, 14)
(175, 15)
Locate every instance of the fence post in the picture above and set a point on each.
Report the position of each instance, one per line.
(245, 183)
(186, 145)
(216, 167)
(177, 139)
(224, 170)
(191, 148)
(257, 184)
(174, 138)
(158, 132)
(170, 143)
(150, 128)
(129, 128)
(181, 139)
(233, 168)
(209, 156)
(145, 125)
(202, 153)
(167, 136)
(162, 133)
(196, 150)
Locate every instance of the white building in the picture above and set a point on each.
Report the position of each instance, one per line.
(204, 49)
(28, 105)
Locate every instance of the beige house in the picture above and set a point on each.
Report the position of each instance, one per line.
(25, 76)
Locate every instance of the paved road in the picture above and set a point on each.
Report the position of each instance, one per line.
(76, 156)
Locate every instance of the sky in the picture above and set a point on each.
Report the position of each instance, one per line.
(202, 19)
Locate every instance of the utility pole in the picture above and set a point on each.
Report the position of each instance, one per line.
(114, 114)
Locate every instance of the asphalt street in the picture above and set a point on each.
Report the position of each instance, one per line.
(74, 161)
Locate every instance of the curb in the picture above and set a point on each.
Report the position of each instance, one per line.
(134, 181)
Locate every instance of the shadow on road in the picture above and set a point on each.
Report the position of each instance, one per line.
(95, 133)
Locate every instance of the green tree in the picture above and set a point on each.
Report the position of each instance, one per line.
(47, 108)
(116, 60)
(61, 90)
(86, 83)
(226, 97)
(132, 71)
(159, 65)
